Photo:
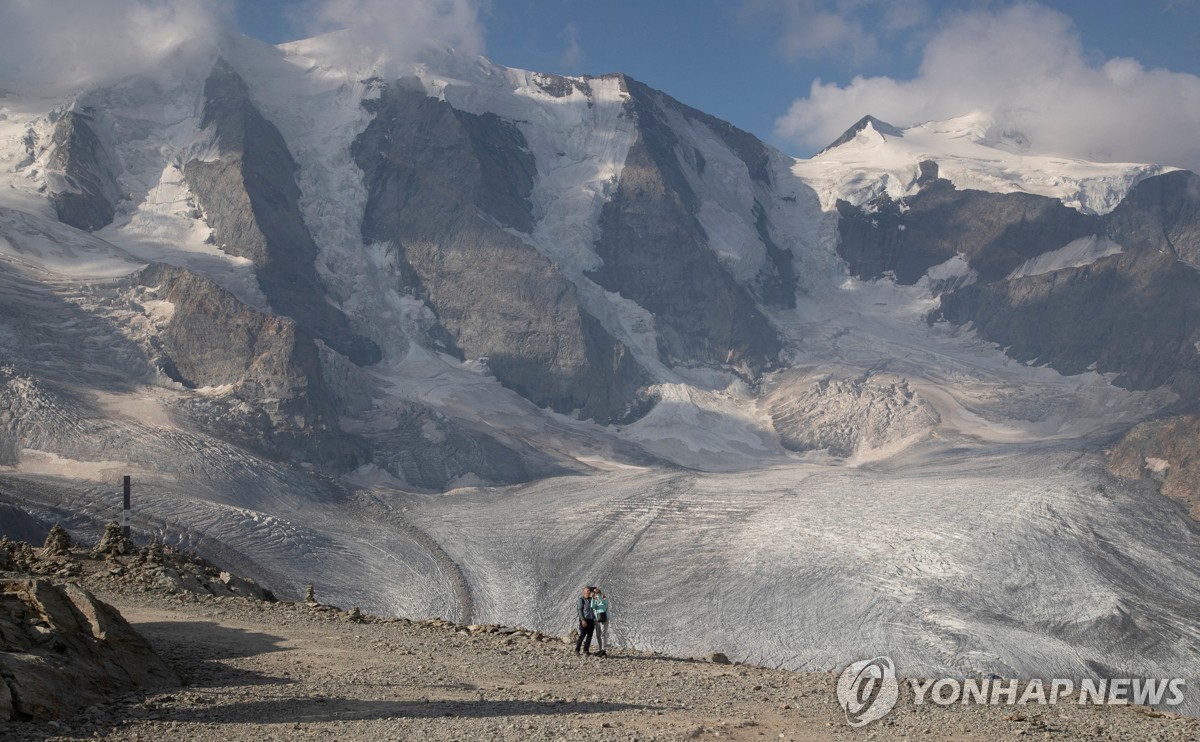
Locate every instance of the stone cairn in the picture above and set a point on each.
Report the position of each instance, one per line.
(15, 555)
(113, 542)
(58, 542)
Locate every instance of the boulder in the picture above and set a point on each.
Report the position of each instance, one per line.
(61, 649)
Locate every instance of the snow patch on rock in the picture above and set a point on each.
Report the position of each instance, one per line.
(1080, 252)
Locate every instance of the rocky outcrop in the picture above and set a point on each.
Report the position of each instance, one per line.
(1166, 451)
(846, 415)
(995, 231)
(1161, 213)
(61, 649)
(82, 174)
(209, 338)
(656, 253)
(446, 189)
(212, 339)
(250, 199)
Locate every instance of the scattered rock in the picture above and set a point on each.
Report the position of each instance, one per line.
(718, 658)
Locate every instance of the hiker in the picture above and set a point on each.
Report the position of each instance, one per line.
(600, 609)
(587, 622)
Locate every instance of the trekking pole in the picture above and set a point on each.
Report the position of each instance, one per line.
(126, 520)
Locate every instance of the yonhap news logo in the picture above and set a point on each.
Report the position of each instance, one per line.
(868, 690)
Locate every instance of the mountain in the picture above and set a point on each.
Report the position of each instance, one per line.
(452, 338)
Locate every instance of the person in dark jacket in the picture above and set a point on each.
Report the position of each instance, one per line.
(587, 622)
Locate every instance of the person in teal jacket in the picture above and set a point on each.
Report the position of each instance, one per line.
(600, 609)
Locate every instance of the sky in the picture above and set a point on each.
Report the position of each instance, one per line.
(798, 72)
(1100, 79)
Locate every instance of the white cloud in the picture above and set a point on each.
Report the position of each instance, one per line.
(396, 30)
(78, 42)
(573, 54)
(1025, 66)
(852, 30)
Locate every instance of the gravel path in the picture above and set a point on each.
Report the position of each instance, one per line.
(258, 670)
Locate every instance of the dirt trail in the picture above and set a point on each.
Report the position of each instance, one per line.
(284, 671)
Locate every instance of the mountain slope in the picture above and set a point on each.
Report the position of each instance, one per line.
(625, 338)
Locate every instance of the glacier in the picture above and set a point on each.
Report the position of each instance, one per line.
(982, 535)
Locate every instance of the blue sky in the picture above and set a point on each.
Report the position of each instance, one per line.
(747, 60)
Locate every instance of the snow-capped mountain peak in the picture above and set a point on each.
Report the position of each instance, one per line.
(867, 129)
(974, 151)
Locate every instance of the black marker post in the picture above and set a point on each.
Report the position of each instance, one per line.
(125, 517)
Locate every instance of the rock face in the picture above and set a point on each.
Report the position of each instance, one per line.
(81, 173)
(1161, 213)
(213, 339)
(995, 231)
(445, 189)
(1166, 451)
(1135, 314)
(61, 649)
(656, 252)
(251, 201)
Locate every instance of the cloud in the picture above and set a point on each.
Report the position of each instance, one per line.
(79, 42)
(573, 54)
(396, 30)
(1026, 67)
(851, 30)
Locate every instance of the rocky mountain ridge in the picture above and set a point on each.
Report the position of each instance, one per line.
(695, 258)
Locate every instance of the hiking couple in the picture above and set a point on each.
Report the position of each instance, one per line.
(592, 611)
